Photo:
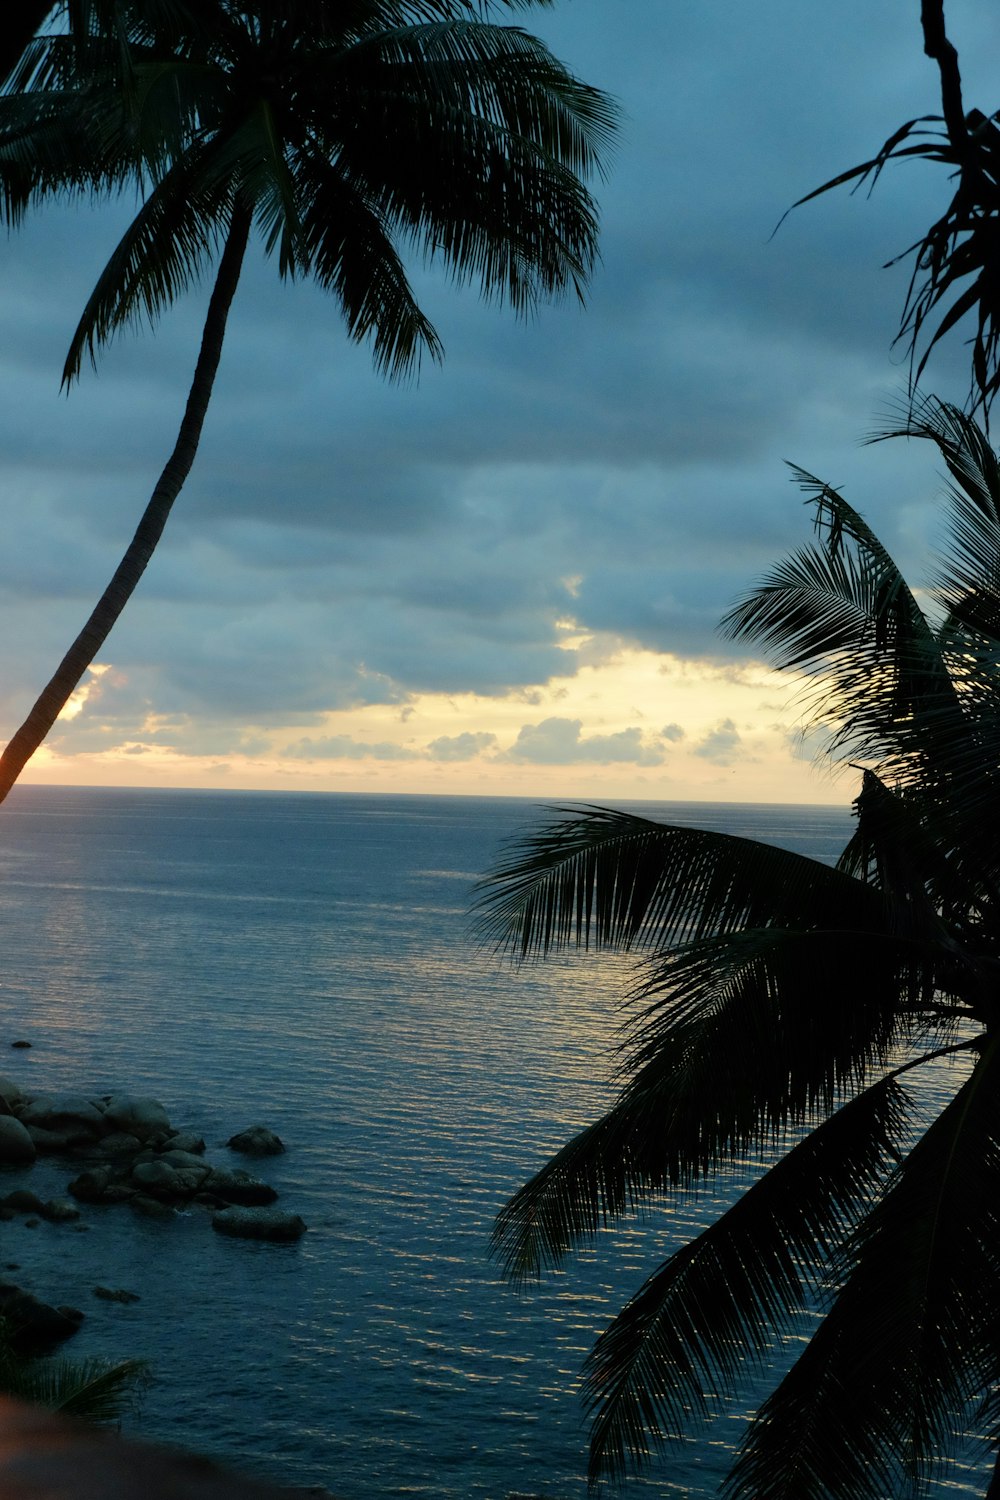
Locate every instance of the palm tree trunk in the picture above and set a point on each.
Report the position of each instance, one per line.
(84, 649)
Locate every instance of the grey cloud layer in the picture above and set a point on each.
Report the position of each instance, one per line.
(342, 542)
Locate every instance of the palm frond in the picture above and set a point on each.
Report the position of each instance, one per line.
(728, 1294)
(878, 675)
(883, 1390)
(953, 261)
(348, 249)
(89, 1390)
(742, 1041)
(162, 253)
(607, 879)
(969, 584)
(479, 160)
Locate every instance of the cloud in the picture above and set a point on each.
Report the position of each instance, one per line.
(342, 542)
(721, 745)
(460, 746)
(345, 747)
(558, 741)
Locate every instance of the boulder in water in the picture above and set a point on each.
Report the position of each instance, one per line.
(33, 1326)
(98, 1185)
(259, 1224)
(17, 1149)
(239, 1187)
(59, 1211)
(112, 1294)
(49, 1142)
(257, 1140)
(138, 1116)
(69, 1114)
(10, 1093)
(185, 1140)
(119, 1143)
(23, 1201)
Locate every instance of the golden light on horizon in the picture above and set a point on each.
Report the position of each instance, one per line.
(628, 723)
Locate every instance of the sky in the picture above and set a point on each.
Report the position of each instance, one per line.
(507, 578)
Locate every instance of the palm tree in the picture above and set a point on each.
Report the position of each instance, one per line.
(793, 1014)
(89, 1390)
(954, 275)
(341, 132)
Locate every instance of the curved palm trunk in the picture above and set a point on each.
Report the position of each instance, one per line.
(84, 649)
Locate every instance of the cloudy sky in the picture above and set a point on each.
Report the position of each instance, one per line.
(507, 578)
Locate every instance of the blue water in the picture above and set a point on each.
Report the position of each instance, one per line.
(305, 962)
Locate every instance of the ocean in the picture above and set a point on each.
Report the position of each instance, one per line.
(305, 962)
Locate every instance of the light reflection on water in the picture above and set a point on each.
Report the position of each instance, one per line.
(304, 961)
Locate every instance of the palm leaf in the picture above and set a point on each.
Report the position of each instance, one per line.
(615, 880)
(960, 244)
(730, 1292)
(89, 1390)
(483, 137)
(746, 1039)
(881, 1393)
(348, 249)
(162, 253)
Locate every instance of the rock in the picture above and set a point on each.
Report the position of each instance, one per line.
(17, 1149)
(9, 1092)
(156, 1177)
(119, 1143)
(191, 1180)
(142, 1117)
(184, 1160)
(23, 1201)
(107, 1295)
(49, 1142)
(60, 1211)
(91, 1187)
(118, 1192)
(259, 1224)
(185, 1140)
(152, 1208)
(34, 1326)
(32, 1104)
(69, 1113)
(256, 1141)
(20, 1044)
(239, 1187)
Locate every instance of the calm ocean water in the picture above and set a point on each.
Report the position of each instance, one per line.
(305, 962)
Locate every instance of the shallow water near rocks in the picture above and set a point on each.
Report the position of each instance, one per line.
(305, 962)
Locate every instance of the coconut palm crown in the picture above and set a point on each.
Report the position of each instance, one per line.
(793, 1014)
(343, 135)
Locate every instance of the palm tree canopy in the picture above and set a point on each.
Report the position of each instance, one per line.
(89, 1390)
(954, 279)
(355, 132)
(348, 133)
(790, 1013)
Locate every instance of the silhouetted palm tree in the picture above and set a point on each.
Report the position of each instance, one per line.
(955, 261)
(97, 1391)
(340, 131)
(791, 1014)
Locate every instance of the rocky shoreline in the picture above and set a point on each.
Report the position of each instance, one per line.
(127, 1152)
